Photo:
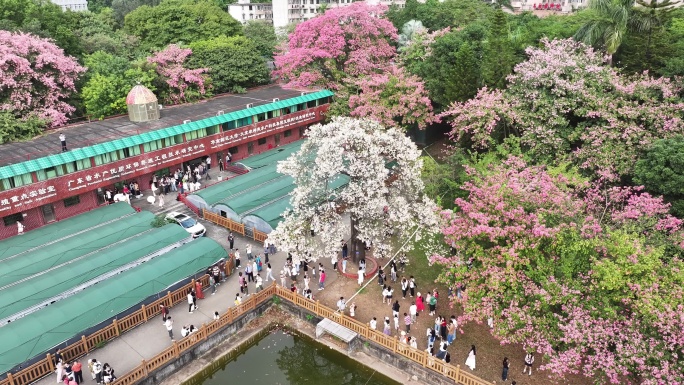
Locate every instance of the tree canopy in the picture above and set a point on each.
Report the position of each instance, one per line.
(179, 21)
(384, 193)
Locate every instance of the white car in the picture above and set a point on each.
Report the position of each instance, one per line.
(189, 224)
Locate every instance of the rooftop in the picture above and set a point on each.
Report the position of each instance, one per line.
(100, 131)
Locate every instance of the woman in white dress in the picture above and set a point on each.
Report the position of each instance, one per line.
(361, 273)
(470, 361)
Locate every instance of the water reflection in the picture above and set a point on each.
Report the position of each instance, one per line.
(280, 358)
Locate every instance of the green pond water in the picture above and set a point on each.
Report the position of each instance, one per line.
(280, 357)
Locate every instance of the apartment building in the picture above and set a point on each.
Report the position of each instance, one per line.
(73, 5)
(284, 12)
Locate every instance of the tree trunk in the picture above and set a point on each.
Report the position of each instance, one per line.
(358, 248)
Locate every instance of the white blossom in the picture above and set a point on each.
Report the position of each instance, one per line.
(384, 193)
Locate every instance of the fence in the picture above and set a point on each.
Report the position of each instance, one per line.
(87, 343)
(224, 222)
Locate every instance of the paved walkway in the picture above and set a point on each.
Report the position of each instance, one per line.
(147, 340)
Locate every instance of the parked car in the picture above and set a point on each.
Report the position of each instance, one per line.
(189, 224)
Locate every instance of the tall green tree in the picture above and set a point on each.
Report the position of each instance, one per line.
(651, 15)
(467, 76)
(661, 171)
(263, 35)
(180, 21)
(500, 56)
(234, 63)
(110, 78)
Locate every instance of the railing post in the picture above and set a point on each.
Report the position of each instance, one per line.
(396, 343)
(176, 351)
(318, 307)
(144, 365)
(423, 358)
(10, 378)
(204, 328)
(170, 299)
(51, 362)
(84, 341)
(458, 372)
(116, 326)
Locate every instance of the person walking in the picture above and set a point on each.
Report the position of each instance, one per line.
(97, 369)
(412, 286)
(404, 287)
(352, 310)
(164, 313)
(433, 304)
(373, 323)
(341, 304)
(407, 323)
(395, 308)
(161, 201)
(198, 290)
(529, 360)
(283, 277)
(344, 265)
(269, 272)
(504, 370)
(62, 138)
(470, 361)
(190, 302)
(321, 280)
(78, 372)
(413, 311)
(387, 329)
(259, 283)
(231, 240)
(169, 326)
(361, 274)
(451, 333)
(420, 305)
(249, 272)
(20, 228)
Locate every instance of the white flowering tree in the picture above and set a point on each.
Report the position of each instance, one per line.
(383, 195)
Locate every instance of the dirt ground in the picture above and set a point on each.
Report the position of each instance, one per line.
(490, 353)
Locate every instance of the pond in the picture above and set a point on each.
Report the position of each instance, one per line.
(280, 357)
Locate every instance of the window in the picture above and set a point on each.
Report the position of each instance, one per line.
(109, 157)
(153, 145)
(261, 141)
(311, 104)
(13, 219)
(250, 148)
(212, 130)
(287, 133)
(233, 150)
(72, 201)
(16, 181)
(301, 106)
(229, 125)
(131, 151)
(277, 139)
(260, 117)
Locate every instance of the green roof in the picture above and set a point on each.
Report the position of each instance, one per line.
(262, 192)
(70, 249)
(98, 149)
(41, 331)
(39, 288)
(59, 231)
(263, 173)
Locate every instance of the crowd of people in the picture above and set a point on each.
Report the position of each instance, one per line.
(71, 373)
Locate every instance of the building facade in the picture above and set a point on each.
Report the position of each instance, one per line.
(244, 11)
(284, 12)
(51, 188)
(72, 5)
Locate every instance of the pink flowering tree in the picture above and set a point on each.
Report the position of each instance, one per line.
(184, 84)
(36, 78)
(393, 98)
(565, 103)
(351, 50)
(343, 42)
(571, 271)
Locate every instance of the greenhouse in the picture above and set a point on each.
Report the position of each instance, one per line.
(32, 336)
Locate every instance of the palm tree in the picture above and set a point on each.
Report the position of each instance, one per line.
(611, 21)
